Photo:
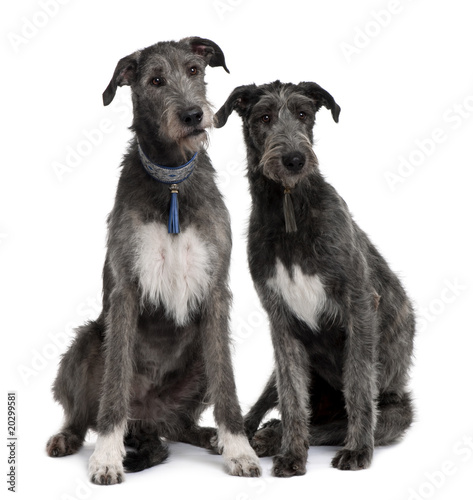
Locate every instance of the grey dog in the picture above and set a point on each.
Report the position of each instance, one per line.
(158, 354)
(342, 325)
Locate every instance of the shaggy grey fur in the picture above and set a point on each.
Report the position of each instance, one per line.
(153, 360)
(342, 326)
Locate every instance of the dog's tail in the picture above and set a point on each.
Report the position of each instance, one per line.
(395, 415)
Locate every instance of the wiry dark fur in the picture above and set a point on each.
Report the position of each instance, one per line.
(339, 379)
(137, 372)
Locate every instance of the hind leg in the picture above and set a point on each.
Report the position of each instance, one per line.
(67, 441)
(76, 389)
(267, 441)
(266, 402)
(203, 437)
(149, 449)
(395, 415)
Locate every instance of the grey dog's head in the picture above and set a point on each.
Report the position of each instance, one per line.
(278, 119)
(168, 89)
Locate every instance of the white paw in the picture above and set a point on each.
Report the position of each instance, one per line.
(238, 456)
(105, 473)
(106, 462)
(245, 465)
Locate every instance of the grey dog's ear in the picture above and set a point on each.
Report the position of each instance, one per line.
(321, 98)
(240, 100)
(208, 50)
(124, 74)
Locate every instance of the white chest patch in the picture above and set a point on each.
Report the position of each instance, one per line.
(304, 294)
(174, 270)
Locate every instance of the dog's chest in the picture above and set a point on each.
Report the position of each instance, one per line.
(303, 294)
(174, 270)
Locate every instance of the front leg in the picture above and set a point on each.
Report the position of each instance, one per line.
(105, 464)
(359, 388)
(292, 384)
(239, 458)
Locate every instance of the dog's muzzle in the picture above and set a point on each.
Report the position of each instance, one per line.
(293, 161)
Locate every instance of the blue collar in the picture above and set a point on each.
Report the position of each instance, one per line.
(167, 175)
(172, 176)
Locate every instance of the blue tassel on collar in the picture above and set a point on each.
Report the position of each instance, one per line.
(172, 176)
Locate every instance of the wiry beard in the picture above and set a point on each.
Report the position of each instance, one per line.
(188, 139)
(271, 162)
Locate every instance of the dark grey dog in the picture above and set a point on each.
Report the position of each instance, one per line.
(342, 326)
(159, 352)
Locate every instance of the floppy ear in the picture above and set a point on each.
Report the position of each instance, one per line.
(239, 100)
(124, 74)
(208, 50)
(321, 98)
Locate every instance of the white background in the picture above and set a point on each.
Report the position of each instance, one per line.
(409, 79)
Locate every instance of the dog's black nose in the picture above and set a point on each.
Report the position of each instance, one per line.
(192, 116)
(293, 161)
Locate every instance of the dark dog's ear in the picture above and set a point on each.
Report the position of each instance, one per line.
(321, 98)
(240, 100)
(208, 50)
(124, 74)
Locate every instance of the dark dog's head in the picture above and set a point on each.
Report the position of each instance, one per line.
(168, 89)
(277, 121)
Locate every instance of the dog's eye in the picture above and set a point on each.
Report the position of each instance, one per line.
(265, 118)
(157, 81)
(193, 71)
(302, 115)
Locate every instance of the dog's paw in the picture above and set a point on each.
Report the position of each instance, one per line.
(267, 441)
(208, 438)
(214, 444)
(245, 465)
(106, 473)
(288, 466)
(353, 459)
(62, 444)
(238, 456)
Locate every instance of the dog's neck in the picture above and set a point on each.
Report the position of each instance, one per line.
(271, 201)
(172, 176)
(165, 174)
(157, 148)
